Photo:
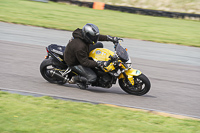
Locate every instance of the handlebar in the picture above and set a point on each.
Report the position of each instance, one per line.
(117, 42)
(113, 58)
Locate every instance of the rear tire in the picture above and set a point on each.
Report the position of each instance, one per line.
(141, 86)
(45, 68)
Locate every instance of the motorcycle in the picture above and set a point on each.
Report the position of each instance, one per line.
(132, 81)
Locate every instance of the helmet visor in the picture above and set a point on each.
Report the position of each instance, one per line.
(94, 38)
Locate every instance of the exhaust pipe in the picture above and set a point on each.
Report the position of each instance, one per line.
(55, 74)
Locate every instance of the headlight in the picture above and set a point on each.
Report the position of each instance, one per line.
(129, 63)
(138, 72)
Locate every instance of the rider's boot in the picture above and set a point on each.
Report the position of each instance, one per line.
(80, 80)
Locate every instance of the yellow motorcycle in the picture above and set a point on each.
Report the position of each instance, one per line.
(132, 81)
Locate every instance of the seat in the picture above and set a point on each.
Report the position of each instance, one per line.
(58, 49)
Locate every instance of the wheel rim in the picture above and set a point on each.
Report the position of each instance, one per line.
(139, 85)
(139, 88)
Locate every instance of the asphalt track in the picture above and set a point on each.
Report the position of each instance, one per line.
(174, 71)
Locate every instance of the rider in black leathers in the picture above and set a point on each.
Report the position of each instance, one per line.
(77, 52)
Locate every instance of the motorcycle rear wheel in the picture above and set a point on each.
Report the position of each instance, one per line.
(141, 86)
(45, 67)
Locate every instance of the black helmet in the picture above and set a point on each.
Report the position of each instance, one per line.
(90, 33)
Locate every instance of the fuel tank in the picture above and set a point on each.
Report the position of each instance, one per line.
(101, 54)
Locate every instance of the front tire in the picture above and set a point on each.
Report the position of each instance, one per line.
(45, 67)
(141, 85)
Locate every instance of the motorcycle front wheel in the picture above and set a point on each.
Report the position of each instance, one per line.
(141, 85)
(45, 67)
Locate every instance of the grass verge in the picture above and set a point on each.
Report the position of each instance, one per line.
(21, 114)
(69, 17)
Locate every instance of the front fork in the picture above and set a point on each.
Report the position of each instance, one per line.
(129, 74)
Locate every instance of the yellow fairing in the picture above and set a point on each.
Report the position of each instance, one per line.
(101, 54)
(130, 73)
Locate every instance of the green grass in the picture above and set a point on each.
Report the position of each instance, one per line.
(69, 17)
(24, 114)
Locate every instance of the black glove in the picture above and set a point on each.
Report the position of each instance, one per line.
(113, 39)
(103, 63)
